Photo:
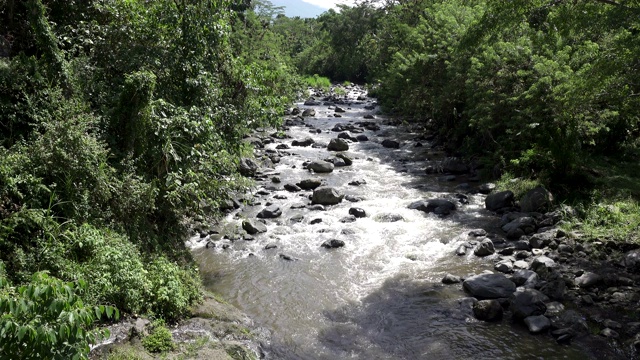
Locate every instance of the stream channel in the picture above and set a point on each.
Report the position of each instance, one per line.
(380, 296)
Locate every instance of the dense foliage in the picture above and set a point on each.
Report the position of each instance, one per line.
(531, 85)
(121, 122)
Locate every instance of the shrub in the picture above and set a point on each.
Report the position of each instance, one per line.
(159, 340)
(46, 319)
(318, 82)
(174, 289)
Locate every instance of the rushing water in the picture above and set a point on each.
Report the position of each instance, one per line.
(380, 296)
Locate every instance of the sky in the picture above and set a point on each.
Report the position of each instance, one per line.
(308, 8)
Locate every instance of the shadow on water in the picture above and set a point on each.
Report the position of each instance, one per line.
(409, 319)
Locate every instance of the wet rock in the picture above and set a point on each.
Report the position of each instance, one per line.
(304, 142)
(485, 248)
(527, 302)
(369, 116)
(270, 246)
(357, 212)
(504, 266)
(309, 184)
(499, 200)
(282, 147)
(609, 333)
(308, 113)
(248, 167)
(388, 218)
(338, 145)
(537, 324)
(488, 310)
(312, 102)
(451, 279)
(276, 180)
(554, 289)
(315, 221)
(333, 244)
(336, 161)
(437, 206)
(461, 250)
(339, 109)
(296, 218)
(541, 240)
(357, 182)
(526, 278)
(286, 257)
(588, 279)
(253, 227)
(348, 219)
(353, 198)
(522, 225)
(270, 212)
(542, 265)
(390, 144)
(347, 160)
(537, 199)
(632, 260)
(326, 196)
(320, 166)
(362, 138)
(347, 136)
(489, 286)
(292, 188)
(486, 188)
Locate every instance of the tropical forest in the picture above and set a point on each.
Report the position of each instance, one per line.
(391, 179)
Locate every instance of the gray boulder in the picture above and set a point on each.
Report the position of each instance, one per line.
(488, 310)
(309, 184)
(537, 324)
(390, 144)
(347, 160)
(248, 167)
(451, 279)
(308, 112)
(537, 199)
(326, 196)
(320, 166)
(588, 279)
(253, 227)
(270, 212)
(485, 248)
(527, 302)
(304, 142)
(632, 259)
(437, 206)
(543, 265)
(489, 286)
(526, 278)
(338, 145)
(499, 200)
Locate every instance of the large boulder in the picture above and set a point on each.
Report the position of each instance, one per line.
(537, 199)
(321, 166)
(248, 167)
(326, 196)
(253, 227)
(338, 145)
(488, 310)
(437, 206)
(520, 226)
(309, 184)
(489, 286)
(527, 302)
(499, 200)
(390, 144)
(304, 142)
(270, 212)
(485, 248)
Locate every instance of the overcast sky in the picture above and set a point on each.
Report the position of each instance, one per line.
(326, 4)
(308, 8)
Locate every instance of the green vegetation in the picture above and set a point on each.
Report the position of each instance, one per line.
(159, 340)
(317, 82)
(121, 122)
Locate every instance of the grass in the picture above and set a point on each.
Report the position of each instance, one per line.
(519, 186)
(317, 82)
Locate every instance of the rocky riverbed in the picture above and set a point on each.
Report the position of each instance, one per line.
(365, 239)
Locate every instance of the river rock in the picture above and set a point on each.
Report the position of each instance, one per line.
(253, 227)
(348, 219)
(388, 218)
(248, 167)
(292, 187)
(437, 206)
(357, 212)
(320, 166)
(524, 277)
(632, 260)
(270, 212)
(338, 109)
(542, 265)
(499, 200)
(588, 279)
(537, 199)
(520, 226)
(347, 136)
(362, 138)
(485, 248)
(488, 310)
(304, 142)
(390, 144)
(537, 324)
(527, 302)
(333, 244)
(451, 279)
(347, 160)
(336, 161)
(489, 286)
(312, 102)
(309, 184)
(504, 266)
(309, 113)
(487, 188)
(326, 196)
(338, 145)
